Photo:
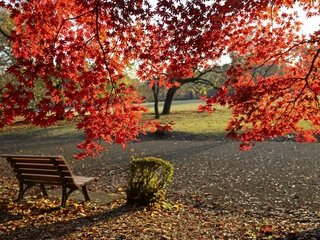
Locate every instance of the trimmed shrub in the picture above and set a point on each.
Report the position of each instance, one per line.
(148, 179)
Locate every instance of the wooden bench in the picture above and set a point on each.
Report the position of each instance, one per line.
(31, 170)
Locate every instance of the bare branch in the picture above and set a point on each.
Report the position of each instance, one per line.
(280, 55)
(69, 19)
(101, 45)
(312, 64)
(4, 34)
(206, 82)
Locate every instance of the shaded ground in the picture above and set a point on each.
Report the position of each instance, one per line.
(219, 192)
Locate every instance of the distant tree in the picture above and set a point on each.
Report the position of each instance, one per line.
(6, 23)
(6, 56)
(209, 77)
(156, 89)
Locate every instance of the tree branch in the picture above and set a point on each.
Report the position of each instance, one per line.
(4, 34)
(206, 82)
(312, 64)
(101, 45)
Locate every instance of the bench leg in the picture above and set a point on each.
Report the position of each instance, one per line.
(22, 190)
(43, 190)
(85, 193)
(65, 195)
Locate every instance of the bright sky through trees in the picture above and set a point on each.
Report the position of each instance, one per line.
(309, 24)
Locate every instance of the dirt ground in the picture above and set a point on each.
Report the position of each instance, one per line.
(276, 184)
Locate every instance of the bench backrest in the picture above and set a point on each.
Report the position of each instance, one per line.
(41, 169)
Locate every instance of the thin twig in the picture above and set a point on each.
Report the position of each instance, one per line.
(4, 34)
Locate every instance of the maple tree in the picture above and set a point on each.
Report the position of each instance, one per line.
(200, 77)
(6, 27)
(6, 57)
(286, 102)
(78, 50)
(184, 44)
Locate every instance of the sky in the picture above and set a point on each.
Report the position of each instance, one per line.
(309, 24)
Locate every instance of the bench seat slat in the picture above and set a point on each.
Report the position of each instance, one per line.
(41, 166)
(36, 181)
(44, 171)
(68, 180)
(43, 181)
(8, 156)
(41, 161)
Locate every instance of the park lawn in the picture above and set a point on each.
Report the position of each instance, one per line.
(185, 117)
(199, 123)
(61, 128)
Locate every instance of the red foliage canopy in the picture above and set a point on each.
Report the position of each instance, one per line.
(77, 50)
(266, 105)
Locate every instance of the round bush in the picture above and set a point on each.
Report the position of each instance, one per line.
(148, 179)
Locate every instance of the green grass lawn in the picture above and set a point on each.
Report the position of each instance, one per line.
(184, 115)
(187, 119)
(198, 123)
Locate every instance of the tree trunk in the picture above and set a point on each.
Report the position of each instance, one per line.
(155, 90)
(168, 100)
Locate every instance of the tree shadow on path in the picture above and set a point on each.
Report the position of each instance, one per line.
(61, 229)
(311, 234)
